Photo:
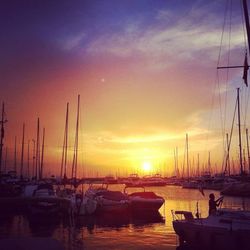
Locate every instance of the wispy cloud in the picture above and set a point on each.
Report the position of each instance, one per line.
(72, 42)
(155, 136)
(180, 42)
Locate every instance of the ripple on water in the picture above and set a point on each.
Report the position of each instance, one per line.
(123, 232)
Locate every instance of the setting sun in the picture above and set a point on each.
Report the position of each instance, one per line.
(147, 166)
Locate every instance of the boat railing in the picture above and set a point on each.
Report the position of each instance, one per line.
(182, 215)
(234, 214)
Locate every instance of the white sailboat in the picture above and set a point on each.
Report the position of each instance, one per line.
(226, 229)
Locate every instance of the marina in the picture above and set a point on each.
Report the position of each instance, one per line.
(134, 230)
(151, 154)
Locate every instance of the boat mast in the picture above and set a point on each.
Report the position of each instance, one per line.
(240, 146)
(198, 165)
(15, 156)
(174, 162)
(37, 151)
(5, 159)
(28, 160)
(2, 136)
(187, 158)
(246, 15)
(248, 154)
(177, 167)
(246, 22)
(74, 165)
(244, 160)
(42, 156)
(22, 151)
(33, 158)
(209, 163)
(65, 147)
(228, 155)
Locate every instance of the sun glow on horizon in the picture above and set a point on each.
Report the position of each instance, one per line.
(147, 166)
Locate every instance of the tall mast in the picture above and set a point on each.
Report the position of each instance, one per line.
(5, 159)
(239, 125)
(193, 168)
(22, 151)
(42, 156)
(198, 165)
(74, 166)
(65, 146)
(228, 155)
(177, 167)
(244, 159)
(209, 163)
(37, 150)
(248, 154)
(246, 22)
(28, 160)
(187, 158)
(15, 154)
(33, 158)
(176, 162)
(246, 16)
(2, 121)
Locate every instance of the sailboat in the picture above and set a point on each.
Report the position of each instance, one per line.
(44, 201)
(227, 228)
(63, 175)
(2, 121)
(241, 187)
(80, 204)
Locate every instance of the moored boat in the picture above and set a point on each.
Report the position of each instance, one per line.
(239, 188)
(144, 201)
(107, 200)
(227, 229)
(146, 181)
(44, 201)
(82, 205)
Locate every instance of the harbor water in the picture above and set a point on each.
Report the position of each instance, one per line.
(117, 231)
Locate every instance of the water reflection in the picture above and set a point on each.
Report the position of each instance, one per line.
(42, 226)
(118, 231)
(116, 221)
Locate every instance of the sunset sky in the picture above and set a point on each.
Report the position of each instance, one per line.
(145, 71)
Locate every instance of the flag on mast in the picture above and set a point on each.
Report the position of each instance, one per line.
(246, 67)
